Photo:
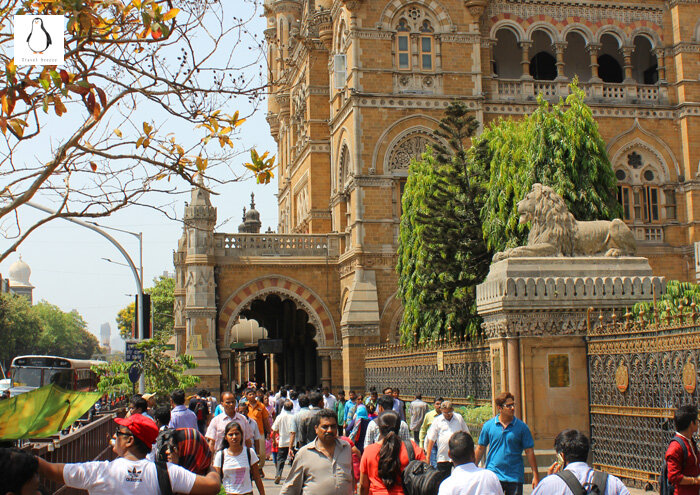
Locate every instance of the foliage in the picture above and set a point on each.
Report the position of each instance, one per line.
(64, 334)
(558, 146)
(441, 227)
(669, 304)
(162, 306)
(20, 328)
(476, 415)
(163, 373)
(75, 134)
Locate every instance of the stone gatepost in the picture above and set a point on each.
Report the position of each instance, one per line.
(535, 317)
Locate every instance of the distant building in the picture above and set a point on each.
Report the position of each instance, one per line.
(19, 279)
(105, 336)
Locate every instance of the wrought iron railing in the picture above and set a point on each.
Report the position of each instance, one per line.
(639, 373)
(239, 245)
(88, 443)
(454, 369)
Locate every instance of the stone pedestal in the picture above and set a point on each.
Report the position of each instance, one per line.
(535, 312)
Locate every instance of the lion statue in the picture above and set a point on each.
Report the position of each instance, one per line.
(555, 231)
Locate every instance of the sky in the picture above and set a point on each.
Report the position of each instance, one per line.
(67, 260)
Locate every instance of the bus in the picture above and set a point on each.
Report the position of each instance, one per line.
(31, 372)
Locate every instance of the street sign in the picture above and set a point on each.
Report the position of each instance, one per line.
(270, 346)
(131, 352)
(134, 372)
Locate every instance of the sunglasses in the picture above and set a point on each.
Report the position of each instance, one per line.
(118, 432)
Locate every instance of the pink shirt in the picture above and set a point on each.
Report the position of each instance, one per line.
(218, 425)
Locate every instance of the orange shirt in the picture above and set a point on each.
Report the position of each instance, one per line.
(370, 466)
(259, 414)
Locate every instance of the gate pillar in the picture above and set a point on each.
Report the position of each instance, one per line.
(535, 314)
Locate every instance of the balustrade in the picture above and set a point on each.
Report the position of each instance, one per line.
(237, 245)
(514, 89)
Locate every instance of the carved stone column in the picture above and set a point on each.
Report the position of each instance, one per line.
(535, 312)
(627, 52)
(661, 63)
(593, 50)
(559, 48)
(525, 61)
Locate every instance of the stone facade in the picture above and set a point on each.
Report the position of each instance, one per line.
(358, 85)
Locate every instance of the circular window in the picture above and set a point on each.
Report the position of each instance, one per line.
(648, 175)
(620, 174)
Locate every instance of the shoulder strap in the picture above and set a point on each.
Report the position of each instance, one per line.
(163, 478)
(682, 443)
(250, 464)
(409, 450)
(572, 482)
(600, 481)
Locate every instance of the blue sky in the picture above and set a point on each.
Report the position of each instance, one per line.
(66, 260)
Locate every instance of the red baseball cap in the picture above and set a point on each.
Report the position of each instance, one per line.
(141, 427)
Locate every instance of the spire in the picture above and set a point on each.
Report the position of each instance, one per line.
(252, 201)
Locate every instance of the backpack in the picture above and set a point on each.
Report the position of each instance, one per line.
(665, 486)
(250, 464)
(201, 409)
(418, 477)
(598, 483)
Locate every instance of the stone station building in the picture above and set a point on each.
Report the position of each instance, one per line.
(356, 88)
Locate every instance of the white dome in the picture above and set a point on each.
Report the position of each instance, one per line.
(247, 332)
(19, 274)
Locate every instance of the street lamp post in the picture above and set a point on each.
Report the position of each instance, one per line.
(137, 278)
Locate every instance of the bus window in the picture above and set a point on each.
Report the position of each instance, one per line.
(62, 378)
(26, 377)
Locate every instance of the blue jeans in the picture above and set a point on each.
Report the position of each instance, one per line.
(433, 456)
(512, 488)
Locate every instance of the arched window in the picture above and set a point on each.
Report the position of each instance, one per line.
(577, 63)
(610, 60)
(507, 55)
(415, 40)
(644, 63)
(543, 66)
(343, 168)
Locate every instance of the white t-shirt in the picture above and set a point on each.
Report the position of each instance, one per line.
(284, 424)
(125, 477)
(329, 402)
(236, 470)
(467, 479)
(440, 432)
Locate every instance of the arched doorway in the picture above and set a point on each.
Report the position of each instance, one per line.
(298, 363)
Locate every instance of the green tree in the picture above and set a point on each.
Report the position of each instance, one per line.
(162, 307)
(558, 146)
(442, 254)
(20, 328)
(678, 295)
(64, 334)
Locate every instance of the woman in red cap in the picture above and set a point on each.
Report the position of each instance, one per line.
(131, 473)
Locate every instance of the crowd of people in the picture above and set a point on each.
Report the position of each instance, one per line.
(366, 443)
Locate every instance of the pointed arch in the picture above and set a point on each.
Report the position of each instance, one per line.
(436, 9)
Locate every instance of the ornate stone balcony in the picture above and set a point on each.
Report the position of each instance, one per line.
(515, 90)
(299, 245)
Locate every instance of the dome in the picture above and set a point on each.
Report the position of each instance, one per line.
(19, 274)
(246, 333)
(252, 215)
(241, 227)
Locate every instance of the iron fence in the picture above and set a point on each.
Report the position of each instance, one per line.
(639, 372)
(458, 370)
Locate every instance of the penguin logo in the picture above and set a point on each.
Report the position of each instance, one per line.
(38, 39)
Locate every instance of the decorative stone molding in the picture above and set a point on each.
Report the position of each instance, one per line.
(407, 147)
(359, 330)
(200, 312)
(330, 352)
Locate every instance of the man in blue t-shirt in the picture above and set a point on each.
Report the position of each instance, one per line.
(506, 437)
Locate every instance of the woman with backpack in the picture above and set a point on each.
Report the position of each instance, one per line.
(383, 462)
(236, 464)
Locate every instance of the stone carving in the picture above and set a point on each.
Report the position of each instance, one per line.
(555, 231)
(412, 146)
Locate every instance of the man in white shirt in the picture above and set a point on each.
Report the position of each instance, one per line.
(215, 431)
(573, 447)
(467, 478)
(329, 399)
(440, 432)
(131, 473)
(285, 427)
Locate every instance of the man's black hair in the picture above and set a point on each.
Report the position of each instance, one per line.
(17, 468)
(294, 395)
(203, 393)
(178, 397)
(386, 401)
(419, 396)
(316, 399)
(162, 415)
(141, 446)
(303, 400)
(139, 402)
(390, 390)
(325, 413)
(461, 448)
(438, 399)
(288, 405)
(373, 389)
(573, 445)
(684, 415)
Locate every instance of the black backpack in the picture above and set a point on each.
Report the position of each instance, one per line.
(598, 483)
(665, 486)
(163, 478)
(201, 409)
(418, 477)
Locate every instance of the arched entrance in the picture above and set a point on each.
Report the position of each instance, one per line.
(299, 363)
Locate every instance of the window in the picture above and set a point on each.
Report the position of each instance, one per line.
(400, 190)
(404, 52)
(340, 71)
(415, 44)
(623, 197)
(670, 204)
(650, 196)
(426, 52)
